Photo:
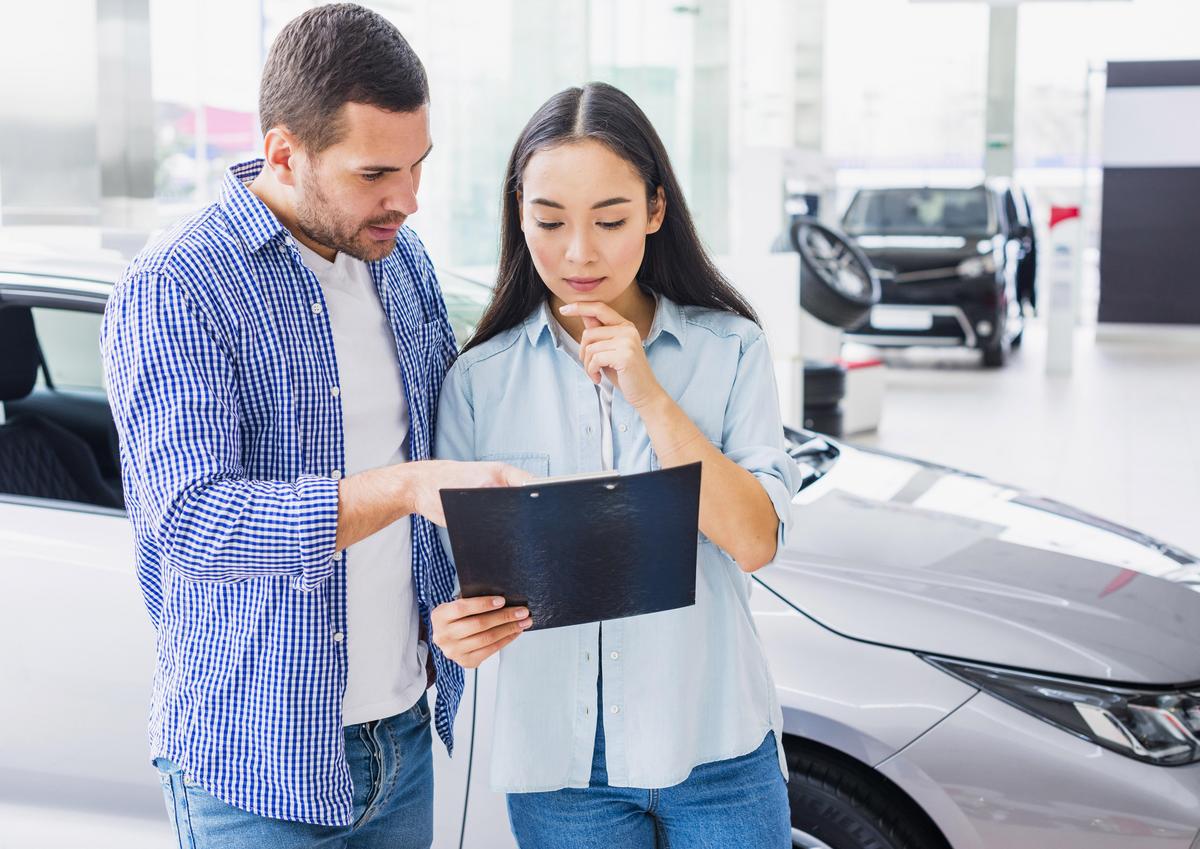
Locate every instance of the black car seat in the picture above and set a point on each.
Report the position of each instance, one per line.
(38, 457)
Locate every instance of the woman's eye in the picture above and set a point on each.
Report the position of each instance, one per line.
(612, 225)
(372, 177)
(549, 225)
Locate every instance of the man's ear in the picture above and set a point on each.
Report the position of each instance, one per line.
(279, 146)
(658, 211)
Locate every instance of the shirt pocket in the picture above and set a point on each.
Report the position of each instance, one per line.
(535, 462)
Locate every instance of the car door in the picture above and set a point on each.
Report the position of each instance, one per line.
(77, 668)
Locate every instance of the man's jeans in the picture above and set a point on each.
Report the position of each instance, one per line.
(391, 764)
(741, 802)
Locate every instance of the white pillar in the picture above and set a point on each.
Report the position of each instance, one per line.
(125, 126)
(1061, 305)
(1000, 120)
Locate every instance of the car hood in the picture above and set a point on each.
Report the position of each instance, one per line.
(922, 253)
(907, 554)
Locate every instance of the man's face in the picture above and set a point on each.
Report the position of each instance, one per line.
(353, 196)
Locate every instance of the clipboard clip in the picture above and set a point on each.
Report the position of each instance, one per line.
(610, 476)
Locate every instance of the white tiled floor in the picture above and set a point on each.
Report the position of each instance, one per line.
(1120, 437)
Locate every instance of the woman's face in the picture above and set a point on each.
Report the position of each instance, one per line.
(585, 218)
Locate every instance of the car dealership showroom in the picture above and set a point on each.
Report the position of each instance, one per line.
(847, 481)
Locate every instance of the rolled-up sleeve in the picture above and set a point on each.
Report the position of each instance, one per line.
(173, 391)
(753, 431)
(455, 438)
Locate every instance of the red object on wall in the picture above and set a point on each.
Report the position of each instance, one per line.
(1062, 213)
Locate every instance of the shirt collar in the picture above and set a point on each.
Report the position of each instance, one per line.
(668, 318)
(251, 218)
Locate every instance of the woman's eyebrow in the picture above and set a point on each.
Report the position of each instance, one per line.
(556, 205)
(610, 202)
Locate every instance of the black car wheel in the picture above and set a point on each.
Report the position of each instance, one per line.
(841, 285)
(996, 354)
(837, 805)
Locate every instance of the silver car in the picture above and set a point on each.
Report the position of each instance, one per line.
(960, 663)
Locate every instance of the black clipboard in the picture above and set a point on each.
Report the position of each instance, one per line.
(580, 550)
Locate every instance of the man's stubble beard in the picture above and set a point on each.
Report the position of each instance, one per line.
(318, 220)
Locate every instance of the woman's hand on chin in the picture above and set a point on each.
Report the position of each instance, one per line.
(612, 347)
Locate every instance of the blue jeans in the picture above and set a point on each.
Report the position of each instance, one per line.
(740, 802)
(391, 765)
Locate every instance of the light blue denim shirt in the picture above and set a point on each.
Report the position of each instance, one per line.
(680, 687)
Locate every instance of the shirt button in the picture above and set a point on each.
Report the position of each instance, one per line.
(338, 636)
(615, 708)
(587, 655)
(624, 428)
(589, 430)
(336, 474)
(616, 655)
(335, 391)
(317, 309)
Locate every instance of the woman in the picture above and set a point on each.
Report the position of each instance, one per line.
(612, 342)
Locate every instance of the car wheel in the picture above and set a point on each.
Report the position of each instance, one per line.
(836, 805)
(840, 285)
(824, 383)
(995, 355)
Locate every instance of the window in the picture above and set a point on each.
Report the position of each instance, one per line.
(70, 342)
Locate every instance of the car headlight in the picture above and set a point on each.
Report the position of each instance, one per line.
(977, 266)
(1152, 725)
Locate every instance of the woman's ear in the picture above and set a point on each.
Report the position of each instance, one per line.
(658, 211)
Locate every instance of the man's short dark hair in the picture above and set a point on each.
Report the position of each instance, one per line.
(328, 57)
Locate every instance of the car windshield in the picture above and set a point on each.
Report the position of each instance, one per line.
(919, 212)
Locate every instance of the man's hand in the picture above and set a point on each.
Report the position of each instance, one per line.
(470, 630)
(431, 476)
(372, 500)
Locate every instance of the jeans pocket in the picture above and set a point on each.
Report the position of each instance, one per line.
(421, 709)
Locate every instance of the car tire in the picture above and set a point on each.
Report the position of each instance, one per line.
(844, 806)
(824, 383)
(840, 285)
(995, 356)
(826, 420)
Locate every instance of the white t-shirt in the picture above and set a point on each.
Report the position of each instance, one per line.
(604, 395)
(386, 661)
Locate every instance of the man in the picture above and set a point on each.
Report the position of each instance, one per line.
(274, 363)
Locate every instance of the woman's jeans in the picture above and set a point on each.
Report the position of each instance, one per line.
(391, 765)
(741, 802)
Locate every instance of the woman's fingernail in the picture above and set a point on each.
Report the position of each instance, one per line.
(497, 602)
(527, 623)
(521, 613)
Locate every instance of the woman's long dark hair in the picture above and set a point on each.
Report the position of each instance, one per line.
(675, 263)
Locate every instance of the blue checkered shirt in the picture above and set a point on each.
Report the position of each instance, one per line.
(221, 370)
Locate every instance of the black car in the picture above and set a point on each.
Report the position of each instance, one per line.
(956, 266)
